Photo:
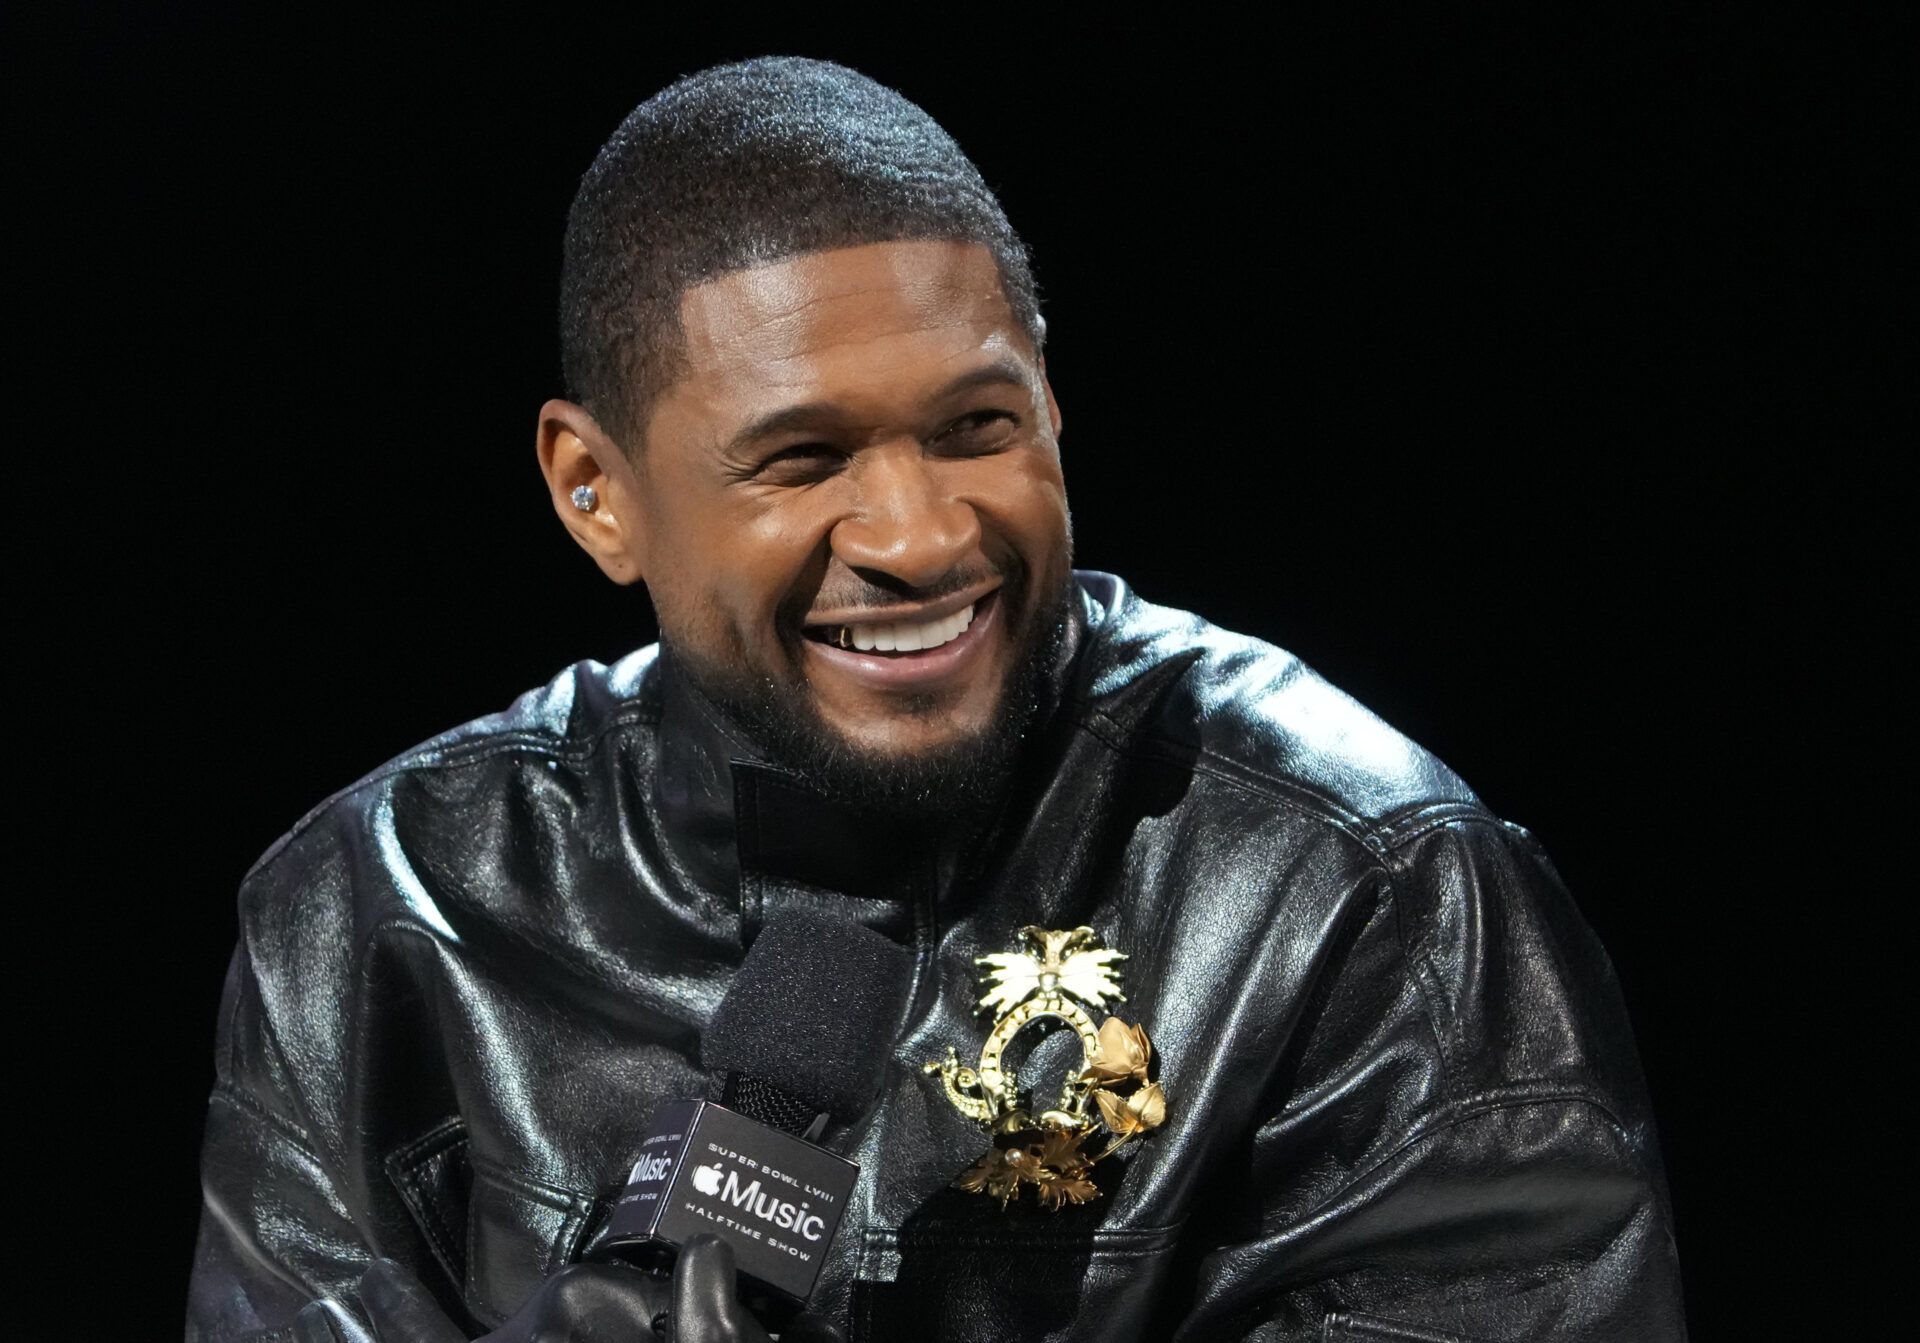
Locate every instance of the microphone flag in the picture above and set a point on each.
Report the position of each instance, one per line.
(775, 1199)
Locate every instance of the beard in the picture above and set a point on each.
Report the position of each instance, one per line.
(958, 783)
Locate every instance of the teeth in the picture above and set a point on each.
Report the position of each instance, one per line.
(901, 637)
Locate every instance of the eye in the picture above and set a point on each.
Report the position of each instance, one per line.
(979, 431)
(801, 461)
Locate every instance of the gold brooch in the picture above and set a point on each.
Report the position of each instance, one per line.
(1064, 976)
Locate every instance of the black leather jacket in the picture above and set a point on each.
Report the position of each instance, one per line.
(1403, 1091)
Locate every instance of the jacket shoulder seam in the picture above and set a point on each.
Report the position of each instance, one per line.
(1402, 832)
(1413, 945)
(1425, 980)
(1452, 1115)
(475, 750)
(1378, 837)
(256, 1109)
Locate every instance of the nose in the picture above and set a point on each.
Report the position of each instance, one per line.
(904, 521)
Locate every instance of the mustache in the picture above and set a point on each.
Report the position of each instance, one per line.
(876, 597)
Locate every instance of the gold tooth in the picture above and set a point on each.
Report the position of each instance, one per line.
(843, 638)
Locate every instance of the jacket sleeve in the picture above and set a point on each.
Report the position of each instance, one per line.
(276, 1230)
(1465, 1149)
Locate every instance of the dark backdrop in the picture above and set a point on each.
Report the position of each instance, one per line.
(1455, 356)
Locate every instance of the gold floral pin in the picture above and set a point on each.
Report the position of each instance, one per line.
(1064, 976)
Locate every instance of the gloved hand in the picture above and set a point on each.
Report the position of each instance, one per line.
(582, 1303)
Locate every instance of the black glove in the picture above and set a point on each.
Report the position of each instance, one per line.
(706, 1307)
(582, 1303)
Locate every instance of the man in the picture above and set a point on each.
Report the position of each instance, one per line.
(809, 411)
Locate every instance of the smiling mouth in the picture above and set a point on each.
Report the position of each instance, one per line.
(899, 638)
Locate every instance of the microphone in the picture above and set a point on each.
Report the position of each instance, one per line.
(800, 1039)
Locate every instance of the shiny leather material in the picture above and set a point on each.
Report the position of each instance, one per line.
(1403, 1091)
(582, 1303)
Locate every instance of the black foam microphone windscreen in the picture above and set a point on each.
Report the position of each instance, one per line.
(812, 1012)
(803, 1034)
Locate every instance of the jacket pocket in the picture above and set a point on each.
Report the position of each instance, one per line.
(1344, 1325)
(433, 1180)
(519, 1232)
(995, 1284)
(497, 1235)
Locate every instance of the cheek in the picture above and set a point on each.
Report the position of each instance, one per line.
(695, 583)
(1026, 503)
(733, 575)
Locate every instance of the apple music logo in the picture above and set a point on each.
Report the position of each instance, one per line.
(649, 1169)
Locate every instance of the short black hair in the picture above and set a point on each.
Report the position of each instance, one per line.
(741, 165)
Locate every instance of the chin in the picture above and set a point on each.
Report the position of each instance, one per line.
(919, 759)
(923, 778)
(909, 730)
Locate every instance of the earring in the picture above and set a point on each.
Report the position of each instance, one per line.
(585, 499)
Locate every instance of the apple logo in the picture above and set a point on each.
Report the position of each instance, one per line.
(707, 1178)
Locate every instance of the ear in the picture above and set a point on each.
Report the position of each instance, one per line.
(574, 451)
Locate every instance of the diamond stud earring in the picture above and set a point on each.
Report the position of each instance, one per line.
(585, 499)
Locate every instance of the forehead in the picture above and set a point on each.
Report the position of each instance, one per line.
(853, 320)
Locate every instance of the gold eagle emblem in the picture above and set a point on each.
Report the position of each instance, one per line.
(1063, 976)
(1072, 962)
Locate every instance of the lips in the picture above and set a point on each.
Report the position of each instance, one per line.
(900, 636)
(896, 653)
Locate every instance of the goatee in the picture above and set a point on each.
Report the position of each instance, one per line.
(958, 784)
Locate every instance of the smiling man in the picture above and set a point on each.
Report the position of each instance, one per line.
(1363, 1071)
(847, 507)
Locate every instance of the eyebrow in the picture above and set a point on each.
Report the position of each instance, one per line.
(1004, 371)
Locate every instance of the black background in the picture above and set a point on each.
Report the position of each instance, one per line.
(1503, 370)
